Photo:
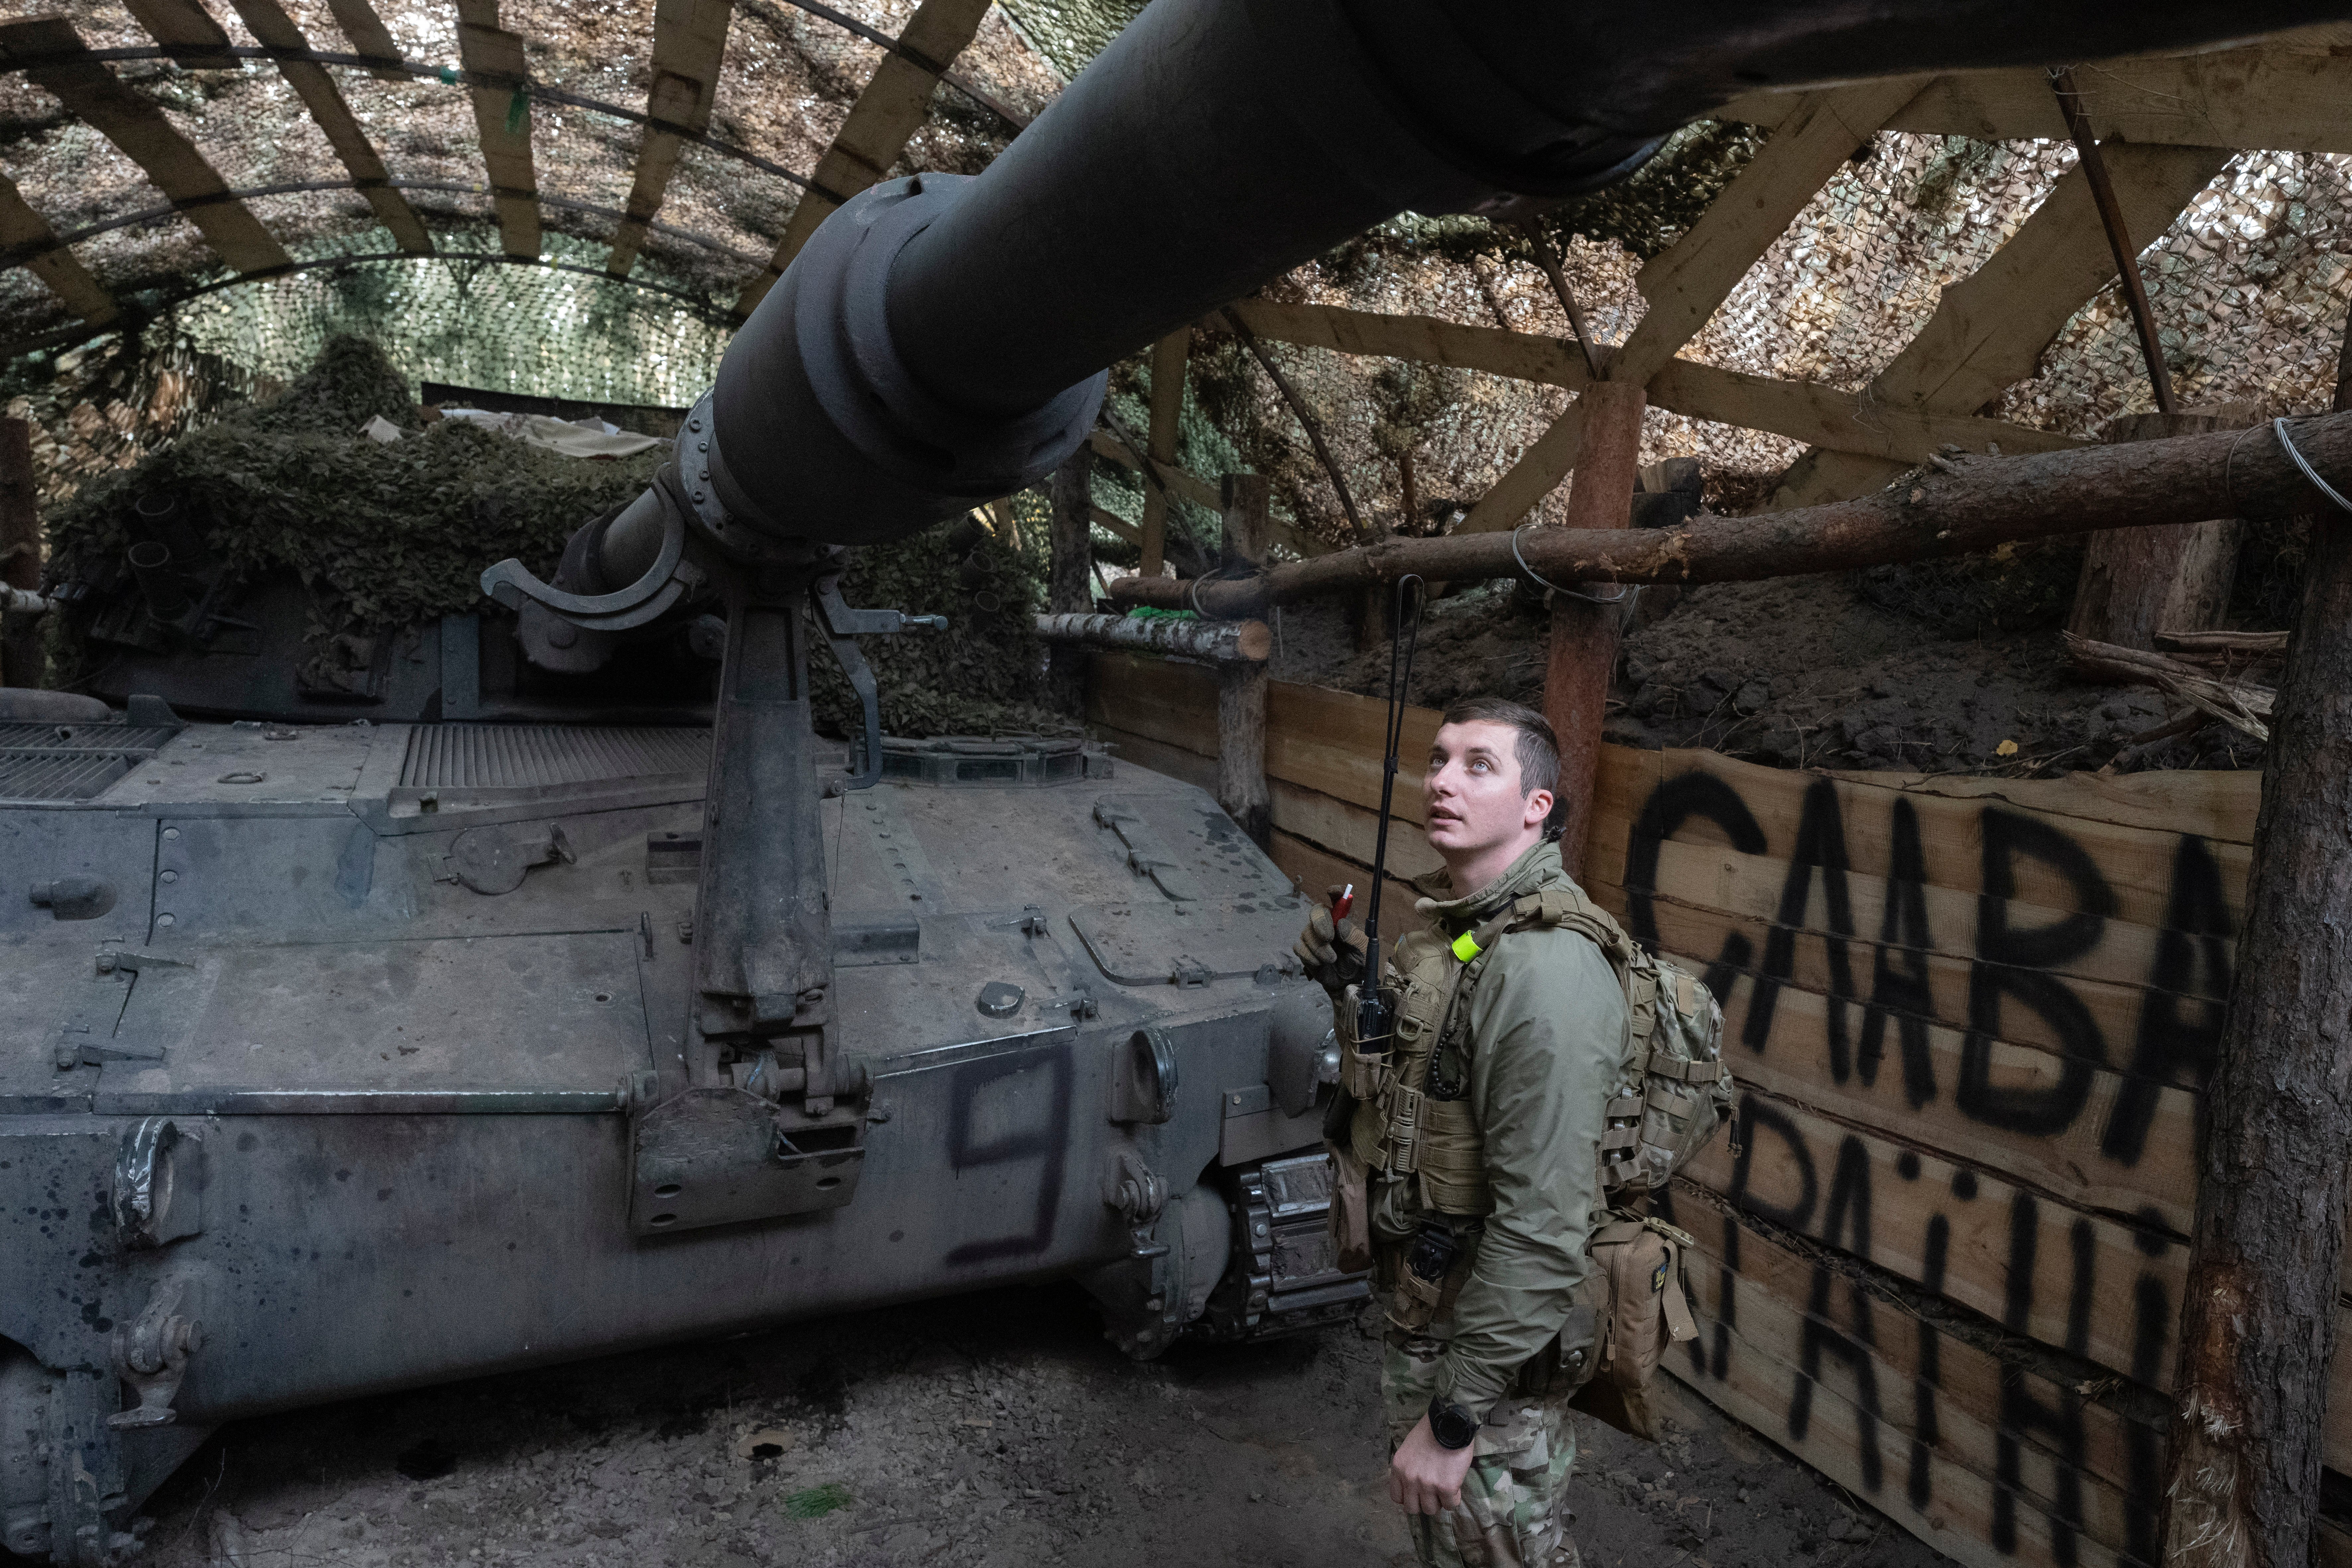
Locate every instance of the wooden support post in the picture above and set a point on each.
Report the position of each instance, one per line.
(21, 663)
(1241, 688)
(1168, 357)
(1069, 585)
(1584, 633)
(2136, 581)
(2259, 1307)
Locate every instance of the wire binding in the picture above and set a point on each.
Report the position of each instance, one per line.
(2278, 428)
(1618, 598)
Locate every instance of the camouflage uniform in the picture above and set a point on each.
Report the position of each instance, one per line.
(1513, 1512)
(1545, 1043)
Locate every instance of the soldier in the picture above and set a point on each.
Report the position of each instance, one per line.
(1475, 1145)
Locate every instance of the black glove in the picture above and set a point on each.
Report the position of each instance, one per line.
(1332, 951)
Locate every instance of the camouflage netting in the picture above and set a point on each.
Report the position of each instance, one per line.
(982, 676)
(390, 533)
(385, 533)
(2250, 283)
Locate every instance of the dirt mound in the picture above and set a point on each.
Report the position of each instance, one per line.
(1818, 672)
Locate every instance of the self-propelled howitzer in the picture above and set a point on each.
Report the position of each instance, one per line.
(336, 1058)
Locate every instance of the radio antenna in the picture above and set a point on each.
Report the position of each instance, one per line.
(1404, 634)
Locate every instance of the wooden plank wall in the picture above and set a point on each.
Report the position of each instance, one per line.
(1943, 1244)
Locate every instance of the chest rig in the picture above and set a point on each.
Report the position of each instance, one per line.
(1412, 1115)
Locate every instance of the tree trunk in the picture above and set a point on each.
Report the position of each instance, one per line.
(1981, 503)
(21, 661)
(2258, 1321)
(1241, 688)
(2258, 1312)
(1583, 651)
(1069, 587)
(2136, 581)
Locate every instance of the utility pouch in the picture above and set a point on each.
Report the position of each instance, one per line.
(1635, 1289)
(1351, 1205)
(1429, 1277)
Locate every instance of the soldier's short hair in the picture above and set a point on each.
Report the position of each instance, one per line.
(1538, 749)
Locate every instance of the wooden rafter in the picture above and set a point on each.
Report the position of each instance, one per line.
(271, 27)
(2285, 94)
(68, 279)
(1802, 411)
(1193, 488)
(502, 120)
(689, 42)
(137, 126)
(368, 35)
(185, 28)
(1990, 330)
(1688, 282)
(1168, 357)
(890, 111)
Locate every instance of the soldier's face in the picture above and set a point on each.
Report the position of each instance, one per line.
(1470, 793)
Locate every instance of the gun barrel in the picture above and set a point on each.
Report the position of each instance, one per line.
(940, 340)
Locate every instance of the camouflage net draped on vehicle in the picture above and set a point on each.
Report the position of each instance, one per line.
(387, 534)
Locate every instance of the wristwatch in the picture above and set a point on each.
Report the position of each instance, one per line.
(1453, 1426)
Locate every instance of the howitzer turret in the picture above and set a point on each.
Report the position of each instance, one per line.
(336, 1058)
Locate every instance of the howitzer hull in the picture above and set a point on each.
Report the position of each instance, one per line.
(348, 1059)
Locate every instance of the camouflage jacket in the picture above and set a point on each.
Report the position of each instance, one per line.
(1545, 1042)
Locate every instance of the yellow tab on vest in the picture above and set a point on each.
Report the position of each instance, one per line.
(1466, 947)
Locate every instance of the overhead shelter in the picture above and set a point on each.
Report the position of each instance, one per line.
(1817, 292)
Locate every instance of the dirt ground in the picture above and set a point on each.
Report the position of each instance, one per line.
(997, 1429)
(1798, 671)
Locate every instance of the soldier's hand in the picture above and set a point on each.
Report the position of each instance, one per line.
(1424, 1477)
(1331, 951)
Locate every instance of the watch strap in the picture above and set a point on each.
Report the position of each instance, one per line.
(1453, 1426)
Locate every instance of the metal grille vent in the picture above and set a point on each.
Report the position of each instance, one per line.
(520, 756)
(71, 762)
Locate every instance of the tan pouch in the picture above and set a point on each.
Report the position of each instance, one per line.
(1635, 1289)
(1351, 1211)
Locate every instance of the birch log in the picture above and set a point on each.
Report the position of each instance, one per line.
(1219, 642)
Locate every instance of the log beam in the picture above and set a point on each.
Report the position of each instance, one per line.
(896, 101)
(1583, 647)
(132, 122)
(1217, 642)
(690, 42)
(1981, 502)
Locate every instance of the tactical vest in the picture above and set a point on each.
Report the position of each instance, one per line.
(1412, 1116)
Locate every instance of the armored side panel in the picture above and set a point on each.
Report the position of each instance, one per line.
(341, 1058)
